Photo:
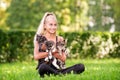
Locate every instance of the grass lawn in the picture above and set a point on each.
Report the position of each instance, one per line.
(104, 69)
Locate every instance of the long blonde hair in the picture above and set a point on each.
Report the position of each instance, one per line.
(40, 30)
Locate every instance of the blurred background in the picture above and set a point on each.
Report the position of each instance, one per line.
(73, 15)
(92, 27)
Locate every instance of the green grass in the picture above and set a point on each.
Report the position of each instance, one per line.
(105, 69)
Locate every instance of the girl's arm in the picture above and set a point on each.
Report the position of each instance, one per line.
(38, 55)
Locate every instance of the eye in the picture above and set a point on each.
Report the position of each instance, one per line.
(55, 24)
(51, 24)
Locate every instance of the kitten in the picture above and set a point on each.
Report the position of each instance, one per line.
(50, 47)
(61, 47)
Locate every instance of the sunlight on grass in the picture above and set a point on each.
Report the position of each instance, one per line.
(105, 69)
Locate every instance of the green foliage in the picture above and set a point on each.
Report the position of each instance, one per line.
(18, 45)
(115, 11)
(116, 40)
(94, 44)
(3, 45)
(19, 15)
(72, 15)
(104, 14)
(26, 14)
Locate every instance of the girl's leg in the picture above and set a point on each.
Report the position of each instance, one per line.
(77, 69)
(46, 69)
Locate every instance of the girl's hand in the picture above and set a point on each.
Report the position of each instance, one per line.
(54, 52)
(61, 57)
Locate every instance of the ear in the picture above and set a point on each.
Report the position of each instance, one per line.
(44, 26)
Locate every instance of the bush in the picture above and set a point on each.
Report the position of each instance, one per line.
(18, 45)
(94, 44)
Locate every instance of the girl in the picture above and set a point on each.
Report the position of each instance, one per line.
(47, 28)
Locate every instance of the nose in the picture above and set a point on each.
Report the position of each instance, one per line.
(54, 27)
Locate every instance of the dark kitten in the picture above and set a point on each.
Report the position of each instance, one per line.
(50, 47)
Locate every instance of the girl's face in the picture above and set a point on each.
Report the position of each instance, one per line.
(51, 24)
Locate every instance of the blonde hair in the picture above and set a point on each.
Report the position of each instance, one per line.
(40, 30)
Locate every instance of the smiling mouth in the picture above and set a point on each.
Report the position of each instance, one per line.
(52, 30)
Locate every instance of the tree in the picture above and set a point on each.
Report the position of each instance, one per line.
(104, 15)
(26, 14)
(4, 4)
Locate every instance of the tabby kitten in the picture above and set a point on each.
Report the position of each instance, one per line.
(50, 47)
(61, 47)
